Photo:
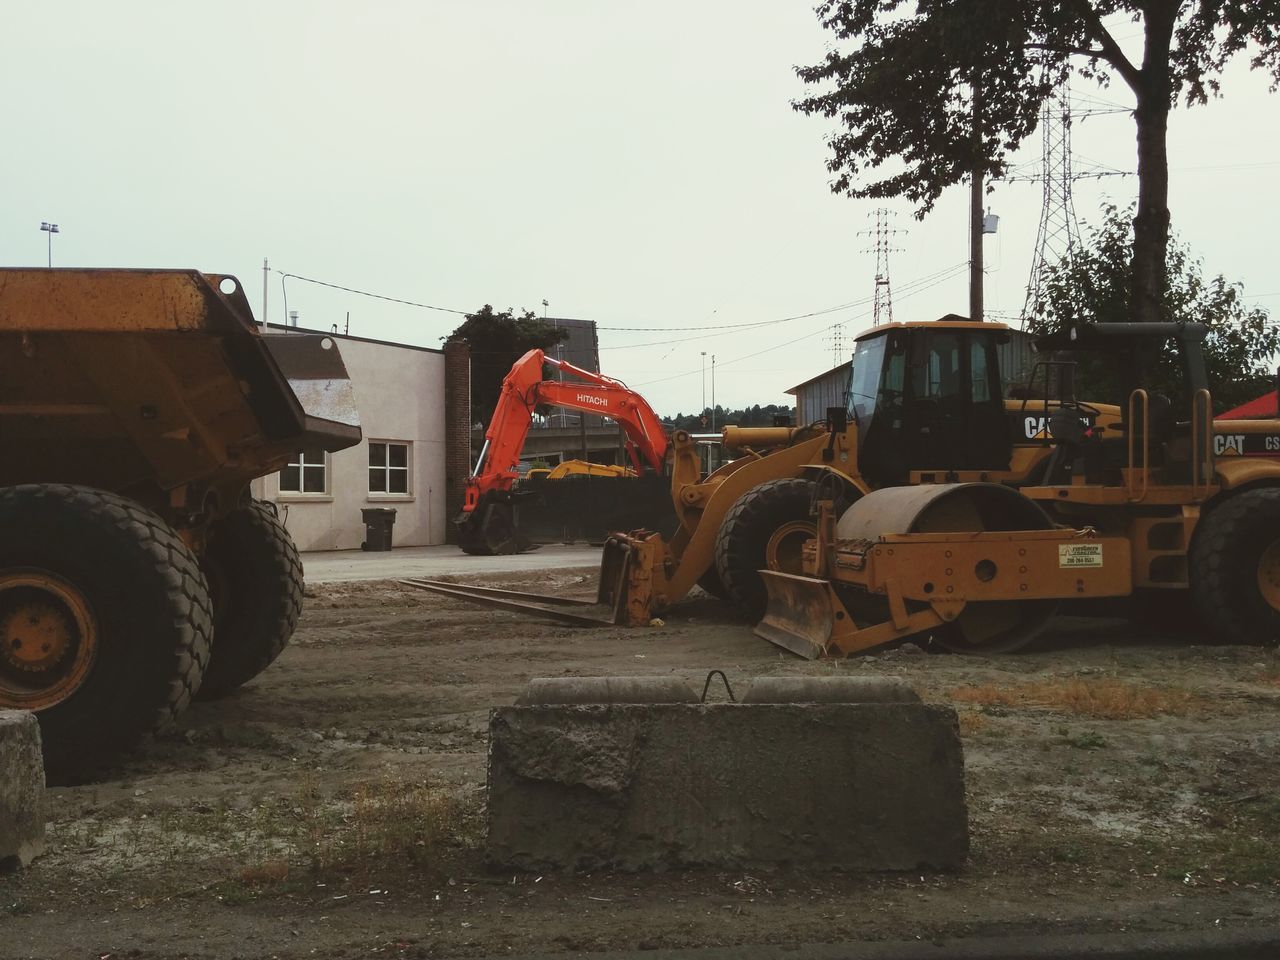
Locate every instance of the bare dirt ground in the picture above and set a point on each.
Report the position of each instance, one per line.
(1118, 779)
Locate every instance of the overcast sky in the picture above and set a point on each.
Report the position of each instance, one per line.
(635, 164)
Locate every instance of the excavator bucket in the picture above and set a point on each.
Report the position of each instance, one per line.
(800, 614)
(490, 529)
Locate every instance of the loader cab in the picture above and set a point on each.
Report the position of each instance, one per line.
(926, 396)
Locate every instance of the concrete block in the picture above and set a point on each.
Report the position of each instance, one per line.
(851, 786)
(22, 800)
(543, 690)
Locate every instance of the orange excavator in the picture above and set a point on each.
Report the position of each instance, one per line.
(487, 524)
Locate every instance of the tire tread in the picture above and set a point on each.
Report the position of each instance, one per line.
(186, 592)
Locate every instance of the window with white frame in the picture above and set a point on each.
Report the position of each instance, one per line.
(388, 467)
(306, 472)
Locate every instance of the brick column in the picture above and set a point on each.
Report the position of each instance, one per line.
(457, 429)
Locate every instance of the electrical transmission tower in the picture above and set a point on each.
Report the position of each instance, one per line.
(835, 337)
(884, 233)
(1058, 238)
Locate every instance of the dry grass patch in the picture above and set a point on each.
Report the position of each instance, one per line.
(383, 821)
(1097, 699)
(971, 722)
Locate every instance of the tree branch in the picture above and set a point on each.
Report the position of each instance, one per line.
(1111, 50)
(1055, 48)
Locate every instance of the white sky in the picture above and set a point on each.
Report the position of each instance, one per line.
(635, 164)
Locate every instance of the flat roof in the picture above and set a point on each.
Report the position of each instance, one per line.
(821, 376)
(282, 328)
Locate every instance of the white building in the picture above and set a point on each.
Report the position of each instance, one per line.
(400, 463)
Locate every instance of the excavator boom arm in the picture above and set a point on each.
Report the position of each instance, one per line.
(524, 389)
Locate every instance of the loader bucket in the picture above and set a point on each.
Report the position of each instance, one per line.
(626, 576)
(800, 613)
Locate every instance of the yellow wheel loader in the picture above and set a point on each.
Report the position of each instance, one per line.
(1163, 502)
(925, 403)
(135, 570)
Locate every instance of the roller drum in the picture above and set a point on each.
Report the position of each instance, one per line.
(995, 626)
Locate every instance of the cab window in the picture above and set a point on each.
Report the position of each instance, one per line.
(935, 374)
(979, 375)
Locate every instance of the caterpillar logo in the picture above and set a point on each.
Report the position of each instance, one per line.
(594, 401)
(1228, 444)
(1034, 427)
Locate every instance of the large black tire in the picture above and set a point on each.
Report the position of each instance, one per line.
(255, 577)
(710, 582)
(129, 606)
(742, 543)
(1235, 568)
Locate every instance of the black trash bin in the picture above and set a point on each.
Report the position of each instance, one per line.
(378, 522)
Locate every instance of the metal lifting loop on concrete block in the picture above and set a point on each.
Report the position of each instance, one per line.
(727, 689)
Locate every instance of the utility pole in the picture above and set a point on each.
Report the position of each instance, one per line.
(975, 206)
(975, 245)
(266, 270)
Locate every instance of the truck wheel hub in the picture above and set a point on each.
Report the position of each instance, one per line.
(785, 549)
(1269, 575)
(47, 640)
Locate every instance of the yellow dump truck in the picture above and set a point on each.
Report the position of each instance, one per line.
(136, 572)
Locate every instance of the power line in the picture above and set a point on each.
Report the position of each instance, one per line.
(955, 271)
(366, 293)
(428, 306)
(927, 279)
(1225, 166)
(910, 285)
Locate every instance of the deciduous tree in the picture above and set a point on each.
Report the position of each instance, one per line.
(1093, 286)
(498, 340)
(901, 84)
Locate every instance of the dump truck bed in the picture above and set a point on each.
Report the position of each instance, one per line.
(129, 379)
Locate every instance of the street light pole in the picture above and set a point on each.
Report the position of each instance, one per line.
(704, 383)
(50, 229)
(564, 421)
(713, 393)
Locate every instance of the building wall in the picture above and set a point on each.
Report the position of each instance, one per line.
(813, 398)
(457, 404)
(1017, 359)
(400, 393)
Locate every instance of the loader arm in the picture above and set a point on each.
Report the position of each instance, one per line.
(485, 524)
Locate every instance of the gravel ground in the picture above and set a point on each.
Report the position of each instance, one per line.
(1118, 779)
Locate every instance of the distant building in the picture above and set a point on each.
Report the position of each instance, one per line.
(814, 396)
(413, 458)
(582, 349)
